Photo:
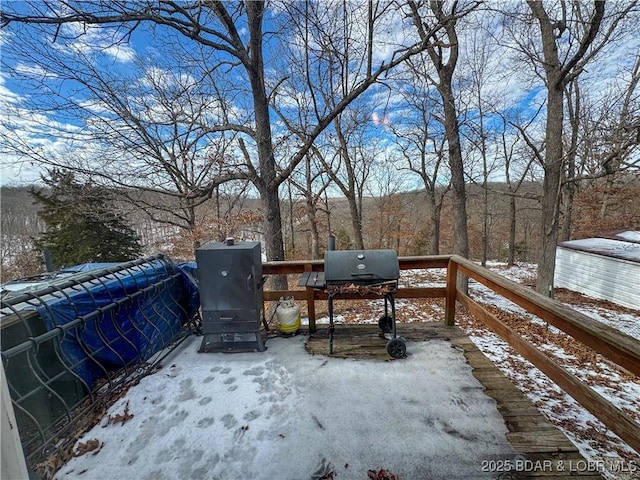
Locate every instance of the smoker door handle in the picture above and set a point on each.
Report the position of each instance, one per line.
(250, 282)
(362, 274)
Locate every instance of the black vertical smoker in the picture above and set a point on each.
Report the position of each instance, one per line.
(231, 297)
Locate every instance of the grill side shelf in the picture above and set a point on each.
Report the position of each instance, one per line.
(313, 280)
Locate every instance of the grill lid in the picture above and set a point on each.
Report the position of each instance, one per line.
(361, 267)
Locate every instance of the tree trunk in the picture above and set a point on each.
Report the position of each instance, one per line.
(311, 202)
(272, 219)
(292, 226)
(557, 75)
(219, 232)
(485, 180)
(568, 193)
(436, 209)
(192, 225)
(485, 221)
(313, 224)
(456, 165)
(512, 231)
(445, 65)
(356, 222)
(608, 188)
(551, 190)
(574, 111)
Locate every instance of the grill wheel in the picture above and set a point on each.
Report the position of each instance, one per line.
(397, 348)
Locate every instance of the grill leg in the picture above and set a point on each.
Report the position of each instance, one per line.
(392, 301)
(331, 327)
(395, 347)
(386, 306)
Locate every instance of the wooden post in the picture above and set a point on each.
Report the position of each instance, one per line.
(450, 306)
(311, 303)
(13, 463)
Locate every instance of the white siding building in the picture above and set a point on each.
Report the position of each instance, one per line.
(606, 267)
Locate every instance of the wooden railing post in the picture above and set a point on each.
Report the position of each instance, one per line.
(450, 306)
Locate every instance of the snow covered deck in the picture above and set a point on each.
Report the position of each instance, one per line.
(291, 413)
(286, 413)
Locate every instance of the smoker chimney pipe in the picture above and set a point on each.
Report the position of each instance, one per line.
(48, 261)
(332, 242)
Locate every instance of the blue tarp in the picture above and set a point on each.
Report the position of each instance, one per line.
(87, 267)
(153, 300)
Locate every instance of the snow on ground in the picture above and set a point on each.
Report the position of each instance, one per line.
(593, 439)
(628, 323)
(284, 414)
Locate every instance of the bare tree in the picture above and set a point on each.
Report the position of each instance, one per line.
(312, 185)
(443, 48)
(332, 52)
(482, 104)
(388, 220)
(213, 27)
(622, 130)
(19, 227)
(145, 132)
(574, 108)
(349, 162)
(569, 36)
(421, 141)
(218, 29)
(509, 141)
(603, 135)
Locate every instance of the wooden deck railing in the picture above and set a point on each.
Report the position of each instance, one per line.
(619, 348)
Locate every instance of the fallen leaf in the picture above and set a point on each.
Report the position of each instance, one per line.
(93, 445)
(121, 418)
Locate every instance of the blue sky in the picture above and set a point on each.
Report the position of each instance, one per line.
(62, 131)
(42, 83)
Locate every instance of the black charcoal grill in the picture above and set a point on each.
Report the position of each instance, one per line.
(348, 272)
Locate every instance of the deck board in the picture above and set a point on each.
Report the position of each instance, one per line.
(530, 433)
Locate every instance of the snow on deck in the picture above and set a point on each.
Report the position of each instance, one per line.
(285, 414)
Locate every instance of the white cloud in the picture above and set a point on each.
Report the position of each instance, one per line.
(7, 96)
(120, 53)
(27, 136)
(93, 40)
(35, 71)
